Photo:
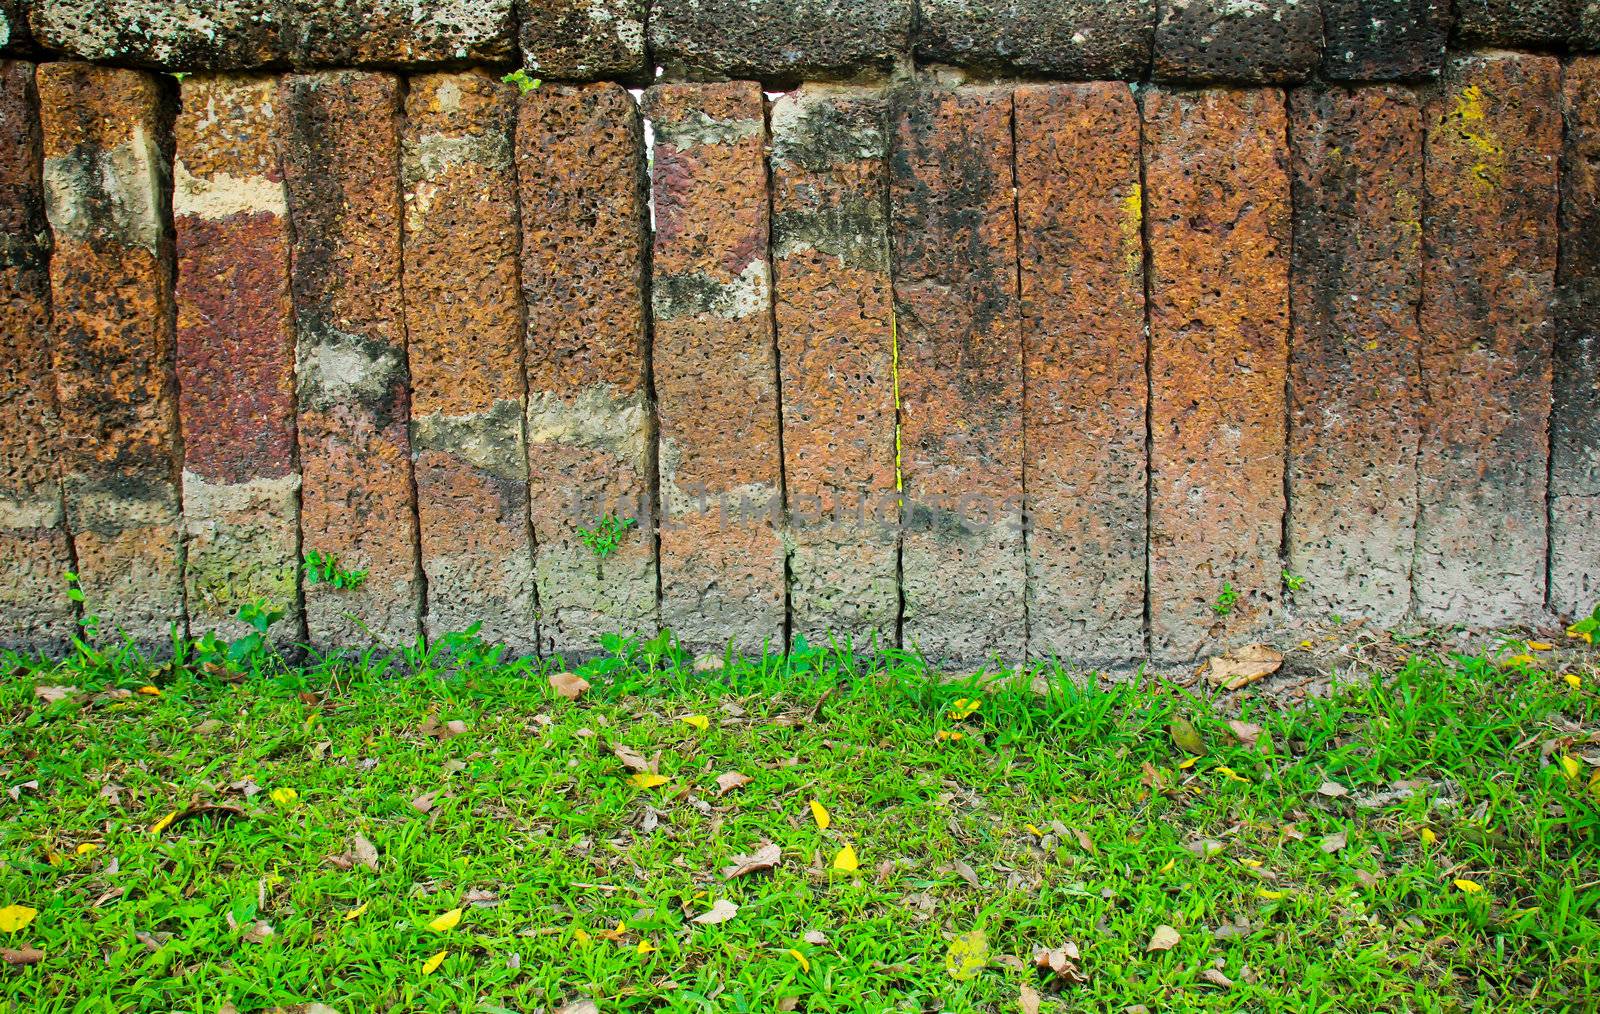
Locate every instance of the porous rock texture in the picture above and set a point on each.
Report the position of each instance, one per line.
(1489, 235)
(1537, 24)
(1076, 39)
(833, 304)
(1250, 41)
(1217, 207)
(465, 348)
(1575, 425)
(341, 167)
(240, 34)
(1354, 352)
(591, 442)
(716, 378)
(580, 40)
(235, 359)
(1079, 220)
(955, 249)
(35, 613)
(1384, 40)
(105, 172)
(779, 41)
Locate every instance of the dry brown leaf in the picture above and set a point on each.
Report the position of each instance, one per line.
(721, 911)
(1028, 1000)
(1246, 732)
(424, 802)
(1061, 963)
(966, 873)
(364, 852)
(1215, 978)
(730, 780)
(1243, 666)
(569, 685)
(1165, 938)
(21, 956)
(632, 759)
(1335, 842)
(1333, 790)
(815, 937)
(579, 1007)
(762, 859)
(50, 695)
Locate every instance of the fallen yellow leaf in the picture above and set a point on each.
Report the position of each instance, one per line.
(962, 708)
(947, 736)
(1228, 772)
(580, 936)
(150, 691)
(646, 780)
(1254, 864)
(1573, 680)
(1168, 866)
(645, 947)
(819, 813)
(1034, 831)
(284, 797)
(1428, 836)
(432, 964)
(968, 955)
(1469, 886)
(1187, 763)
(1269, 895)
(16, 917)
(1571, 765)
(447, 922)
(1540, 646)
(1519, 660)
(700, 722)
(86, 848)
(846, 860)
(357, 912)
(162, 824)
(805, 966)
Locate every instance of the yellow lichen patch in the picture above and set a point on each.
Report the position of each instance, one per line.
(1470, 112)
(1133, 227)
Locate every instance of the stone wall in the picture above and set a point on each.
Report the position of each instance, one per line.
(1019, 330)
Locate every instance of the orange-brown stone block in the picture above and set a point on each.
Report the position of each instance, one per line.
(833, 303)
(1356, 398)
(111, 290)
(716, 381)
(241, 491)
(1217, 207)
(341, 167)
(1493, 142)
(1575, 426)
(35, 613)
(580, 166)
(955, 271)
(1078, 226)
(464, 333)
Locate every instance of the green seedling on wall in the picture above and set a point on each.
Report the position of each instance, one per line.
(241, 652)
(524, 83)
(323, 568)
(1293, 582)
(1226, 601)
(604, 538)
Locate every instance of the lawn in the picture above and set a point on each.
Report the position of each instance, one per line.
(445, 830)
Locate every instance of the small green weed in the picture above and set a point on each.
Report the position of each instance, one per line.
(1226, 601)
(604, 538)
(1293, 582)
(524, 83)
(323, 568)
(1585, 629)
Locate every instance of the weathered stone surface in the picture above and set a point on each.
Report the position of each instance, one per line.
(1517, 23)
(110, 280)
(779, 41)
(591, 445)
(238, 34)
(1384, 40)
(955, 270)
(15, 36)
(464, 336)
(1217, 206)
(722, 558)
(1079, 218)
(341, 169)
(235, 365)
(1251, 41)
(1575, 424)
(1080, 39)
(581, 40)
(1493, 141)
(1353, 364)
(833, 304)
(35, 614)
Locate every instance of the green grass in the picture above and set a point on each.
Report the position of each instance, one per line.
(536, 820)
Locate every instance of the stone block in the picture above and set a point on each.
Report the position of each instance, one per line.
(1075, 39)
(779, 42)
(833, 304)
(1356, 285)
(235, 363)
(465, 343)
(591, 441)
(955, 272)
(105, 173)
(1217, 207)
(1252, 42)
(1384, 40)
(1079, 221)
(1488, 324)
(716, 377)
(582, 40)
(1519, 24)
(341, 168)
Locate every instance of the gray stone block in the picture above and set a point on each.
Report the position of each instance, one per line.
(1079, 39)
(1247, 41)
(779, 41)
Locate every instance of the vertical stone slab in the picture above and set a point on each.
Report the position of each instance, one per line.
(833, 302)
(955, 273)
(1489, 242)
(591, 443)
(1356, 389)
(1079, 220)
(111, 290)
(722, 558)
(464, 330)
(341, 165)
(1217, 201)
(35, 614)
(241, 491)
(1575, 424)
